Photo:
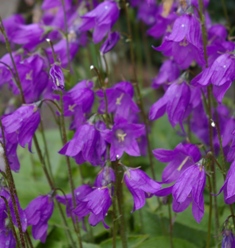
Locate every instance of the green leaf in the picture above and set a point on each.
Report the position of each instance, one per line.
(133, 241)
(164, 242)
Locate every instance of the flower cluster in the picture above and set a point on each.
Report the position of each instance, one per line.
(103, 122)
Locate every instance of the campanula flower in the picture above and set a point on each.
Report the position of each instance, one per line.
(38, 213)
(228, 187)
(175, 102)
(122, 138)
(168, 72)
(57, 76)
(228, 239)
(105, 177)
(21, 125)
(188, 189)
(95, 204)
(220, 74)
(186, 40)
(110, 42)
(101, 19)
(178, 159)
(140, 186)
(119, 100)
(86, 145)
(79, 193)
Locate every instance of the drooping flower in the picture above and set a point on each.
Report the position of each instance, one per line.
(122, 138)
(220, 74)
(168, 73)
(7, 239)
(86, 145)
(188, 189)
(33, 77)
(140, 186)
(119, 100)
(176, 102)
(38, 213)
(57, 76)
(101, 19)
(80, 95)
(228, 239)
(95, 204)
(228, 187)
(21, 125)
(5, 194)
(110, 42)
(11, 156)
(105, 177)
(79, 193)
(186, 40)
(178, 159)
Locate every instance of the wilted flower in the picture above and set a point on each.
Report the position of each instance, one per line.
(140, 185)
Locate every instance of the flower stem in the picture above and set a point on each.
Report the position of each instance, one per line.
(12, 188)
(51, 184)
(171, 226)
(138, 92)
(209, 111)
(120, 201)
(8, 47)
(64, 140)
(210, 216)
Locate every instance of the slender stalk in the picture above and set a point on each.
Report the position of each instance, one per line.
(120, 201)
(171, 226)
(11, 222)
(226, 14)
(50, 182)
(138, 92)
(8, 47)
(114, 202)
(209, 102)
(64, 140)
(66, 35)
(46, 151)
(208, 240)
(12, 188)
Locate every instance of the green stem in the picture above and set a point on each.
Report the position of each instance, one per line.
(64, 140)
(114, 216)
(12, 188)
(120, 201)
(66, 36)
(210, 216)
(11, 222)
(138, 92)
(209, 102)
(46, 151)
(52, 186)
(8, 47)
(171, 225)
